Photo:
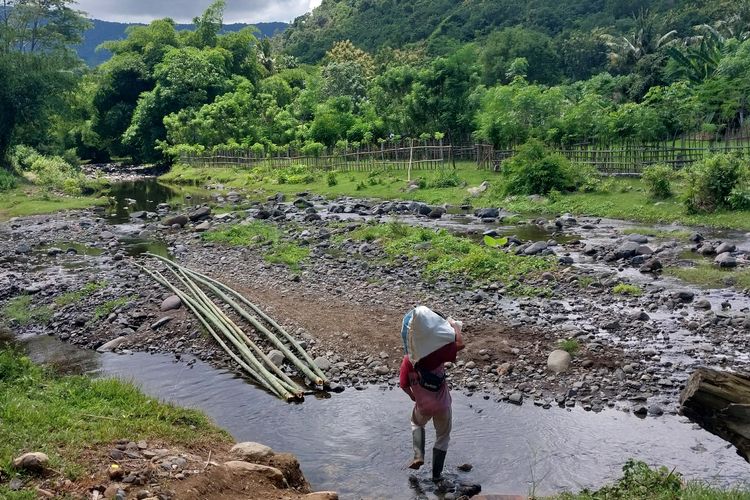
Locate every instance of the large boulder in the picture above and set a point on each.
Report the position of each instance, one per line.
(112, 344)
(637, 238)
(250, 451)
(559, 361)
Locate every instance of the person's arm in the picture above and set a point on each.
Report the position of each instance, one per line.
(459, 337)
(403, 379)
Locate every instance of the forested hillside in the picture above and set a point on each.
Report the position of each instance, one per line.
(441, 25)
(102, 31)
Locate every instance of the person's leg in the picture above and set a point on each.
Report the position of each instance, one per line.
(443, 426)
(418, 421)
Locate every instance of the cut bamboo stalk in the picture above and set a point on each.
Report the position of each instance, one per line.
(211, 310)
(192, 305)
(291, 385)
(319, 378)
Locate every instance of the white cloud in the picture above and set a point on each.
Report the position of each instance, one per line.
(183, 11)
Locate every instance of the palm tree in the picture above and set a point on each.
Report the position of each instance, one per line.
(642, 42)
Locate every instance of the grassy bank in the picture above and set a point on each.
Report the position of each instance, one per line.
(263, 236)
(29, 199)
(640, 482)
(444, 254)
(620, 198)
(64, 417)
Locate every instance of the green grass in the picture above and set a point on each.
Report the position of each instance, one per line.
(627, 289)
(262, 235)
(65, 416)
(76, 296)
(708, 275)
(32, 200)
(621, 198)
(640, 482)
(104, 310)
(627, 199)
(585, 281)
(444, 254)
(571, 346)
(23, 311)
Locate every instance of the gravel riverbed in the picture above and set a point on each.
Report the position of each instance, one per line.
(347, 300)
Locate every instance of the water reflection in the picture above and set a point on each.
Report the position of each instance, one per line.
(146, 195)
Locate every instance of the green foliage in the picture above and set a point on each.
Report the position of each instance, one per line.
(627, 289)
(639, 482)
(495, 242)
(76, 296)
(658, 181)
(107, 308)
(571, 346)
(533, 170)
(75, 414)
(23, 311)
(447, 255)
(331, 179)
(712, 181)
(705, 274)
(296, 174)
(258, 234)
(8, 180)
(445, 179)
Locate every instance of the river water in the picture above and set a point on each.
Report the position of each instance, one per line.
(357, 442)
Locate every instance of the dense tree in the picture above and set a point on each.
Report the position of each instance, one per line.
(507, 45)
(36, 66)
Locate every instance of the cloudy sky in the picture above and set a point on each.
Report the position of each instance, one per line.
(237, 11)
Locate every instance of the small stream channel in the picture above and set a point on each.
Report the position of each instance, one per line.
(356, 442)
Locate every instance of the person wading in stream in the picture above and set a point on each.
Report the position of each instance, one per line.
(430, 340)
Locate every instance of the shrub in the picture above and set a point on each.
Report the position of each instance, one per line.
(658, 180)
(712, 181)
(332, 180)
(296, 174)
(627, 289)
(7, 180)
(446, 179)
(56, 173)
(739, 199)
(23, 157)
(533, 170)
(571, 346)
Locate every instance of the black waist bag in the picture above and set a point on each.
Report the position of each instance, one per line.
(429, 380)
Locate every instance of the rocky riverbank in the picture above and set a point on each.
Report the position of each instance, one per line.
(633, 346)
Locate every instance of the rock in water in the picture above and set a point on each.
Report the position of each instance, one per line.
(559, 361)
(170, 303)
(111, 345)
(535, 248)
(250, 450)
(34, 462)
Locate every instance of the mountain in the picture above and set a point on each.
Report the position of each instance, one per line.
(441, 25)
(102, 31)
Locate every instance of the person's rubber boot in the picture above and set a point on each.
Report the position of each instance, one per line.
(417, 436)
(438, 461)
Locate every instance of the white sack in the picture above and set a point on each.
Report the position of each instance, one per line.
(428, 332)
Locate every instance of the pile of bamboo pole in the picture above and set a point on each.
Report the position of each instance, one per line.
(193, 289)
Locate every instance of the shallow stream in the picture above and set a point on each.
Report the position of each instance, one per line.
(357, 442)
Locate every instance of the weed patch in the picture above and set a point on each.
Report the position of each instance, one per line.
(445, 254)
(571, 346)
(627, 289)
(104, 310)
(23, 311)
(709, 276)
(259, 234)
(86, 291)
